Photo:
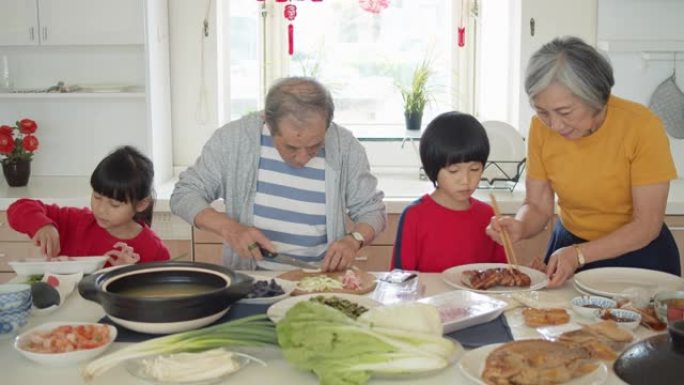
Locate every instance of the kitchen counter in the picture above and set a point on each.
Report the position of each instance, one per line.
(400, 187)
(18, 370)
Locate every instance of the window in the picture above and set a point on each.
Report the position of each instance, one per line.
(360, 55)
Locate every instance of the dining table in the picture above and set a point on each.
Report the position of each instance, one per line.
(18, 370)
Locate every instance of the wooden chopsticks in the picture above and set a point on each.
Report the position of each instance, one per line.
(508, 246)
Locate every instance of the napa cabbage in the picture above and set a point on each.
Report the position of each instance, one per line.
(343, 351)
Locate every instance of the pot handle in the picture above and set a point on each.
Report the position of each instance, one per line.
(88, 289)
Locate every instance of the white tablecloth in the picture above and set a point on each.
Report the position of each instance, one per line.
(17, 370)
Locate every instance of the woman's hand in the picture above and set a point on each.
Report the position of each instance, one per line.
(341, 254)
(47, 239)
(562, 265)
(514, 227)
(125, 255)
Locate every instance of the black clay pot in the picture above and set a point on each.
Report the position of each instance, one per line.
(17, 172)
(655, 360)
(165, 297)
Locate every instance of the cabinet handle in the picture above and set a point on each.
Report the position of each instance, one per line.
(32, 34)
(361, 258)
(676, 228)
(44, 33)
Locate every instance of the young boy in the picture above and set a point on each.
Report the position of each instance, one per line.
(447, 228)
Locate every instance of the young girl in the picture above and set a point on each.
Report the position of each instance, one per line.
(118, 225)
(447, 228)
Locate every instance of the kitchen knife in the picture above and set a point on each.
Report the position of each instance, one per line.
(284, 259)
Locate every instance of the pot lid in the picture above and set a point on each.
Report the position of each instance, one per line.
(655, 360)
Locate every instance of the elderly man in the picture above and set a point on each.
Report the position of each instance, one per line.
(288, 177)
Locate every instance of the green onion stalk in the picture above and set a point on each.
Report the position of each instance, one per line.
(254, 330)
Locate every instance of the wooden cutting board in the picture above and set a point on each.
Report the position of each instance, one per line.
(367, 280)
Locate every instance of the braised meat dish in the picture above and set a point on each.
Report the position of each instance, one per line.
(487, 278)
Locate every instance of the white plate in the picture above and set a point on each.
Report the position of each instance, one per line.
(611, 281)
(460, 309)
(288, 288)
(473, 362)
(66, 358)
(505, 142)
(453, 277)
(277, 311)
(136, 367)
(31, 266)
(506, 148)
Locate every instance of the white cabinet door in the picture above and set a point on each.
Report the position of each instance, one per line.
(18, 22)
(543, 20)
(96, 22)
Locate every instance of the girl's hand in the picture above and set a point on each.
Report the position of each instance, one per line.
(514, 227)
(340, 254)
(124, 256)
(562, 265)
(47, 239)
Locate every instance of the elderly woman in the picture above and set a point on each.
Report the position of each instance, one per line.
(607, 160)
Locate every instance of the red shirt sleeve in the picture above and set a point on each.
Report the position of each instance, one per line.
(28, 215)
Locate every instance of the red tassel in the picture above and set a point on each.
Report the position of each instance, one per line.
(290, 39)
(461, 36)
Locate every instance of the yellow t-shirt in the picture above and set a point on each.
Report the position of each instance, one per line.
(593, 176)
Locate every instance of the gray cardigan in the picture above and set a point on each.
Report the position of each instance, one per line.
(228, 166)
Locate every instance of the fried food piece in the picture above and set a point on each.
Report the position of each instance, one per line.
(537, 362)
(544, 317)
(604, 339)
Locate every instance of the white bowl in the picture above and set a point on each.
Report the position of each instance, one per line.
(287, 286)
(13, 320)
(14, 296)
(626, 319)
(85, 265)
(61, 359)
(586, 305)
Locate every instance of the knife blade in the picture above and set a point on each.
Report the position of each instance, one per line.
(284, 259)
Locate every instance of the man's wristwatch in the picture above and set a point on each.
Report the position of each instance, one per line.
(359, 237)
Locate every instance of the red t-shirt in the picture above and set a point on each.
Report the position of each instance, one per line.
(433, 238)
(79, 233)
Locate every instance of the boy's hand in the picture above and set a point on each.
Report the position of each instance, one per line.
(47, 239)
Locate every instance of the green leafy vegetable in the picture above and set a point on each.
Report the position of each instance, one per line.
(248, 331)
(343, 351)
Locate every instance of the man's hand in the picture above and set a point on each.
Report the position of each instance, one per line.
(47, 239)
(341, 254)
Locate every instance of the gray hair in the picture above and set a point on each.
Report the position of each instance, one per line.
(576, 65)
(298, 97)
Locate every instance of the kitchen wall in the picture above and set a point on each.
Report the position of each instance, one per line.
(641, 38)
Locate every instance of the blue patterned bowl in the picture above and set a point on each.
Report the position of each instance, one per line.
(14, 296)
(11, 321)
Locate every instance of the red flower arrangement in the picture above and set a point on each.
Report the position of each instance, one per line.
(18, 142)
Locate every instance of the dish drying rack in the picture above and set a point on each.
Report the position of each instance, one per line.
(506, 174)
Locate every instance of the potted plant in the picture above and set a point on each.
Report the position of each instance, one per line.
(417, 95)
(17, 145)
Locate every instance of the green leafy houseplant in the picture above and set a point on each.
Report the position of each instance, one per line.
(417, 95)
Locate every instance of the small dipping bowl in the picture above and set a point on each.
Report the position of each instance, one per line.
(626, 319)
(669, 305)
(13, 320)
(14, 296)
(586, 305)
